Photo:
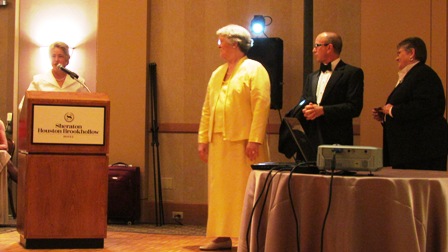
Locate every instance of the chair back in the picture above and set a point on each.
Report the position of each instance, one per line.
(12, 169)
(11, 147)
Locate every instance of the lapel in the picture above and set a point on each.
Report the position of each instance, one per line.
(314, 81)
(334, 79)
(407, 78)
(219, 78)
(393, 92)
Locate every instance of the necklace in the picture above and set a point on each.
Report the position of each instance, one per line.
(61, 79)
(58, 79)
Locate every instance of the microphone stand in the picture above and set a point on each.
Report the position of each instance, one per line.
(73, 76)
(84, 85)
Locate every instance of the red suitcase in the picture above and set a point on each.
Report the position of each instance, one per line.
(124, 193)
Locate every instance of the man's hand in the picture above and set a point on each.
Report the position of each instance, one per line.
(312, 111)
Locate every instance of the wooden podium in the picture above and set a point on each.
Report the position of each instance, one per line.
(63, 142)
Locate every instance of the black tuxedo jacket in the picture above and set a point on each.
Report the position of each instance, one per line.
(418, 130)
(342, 101)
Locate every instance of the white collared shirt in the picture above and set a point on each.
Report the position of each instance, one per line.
(402, 73)
(323, 80)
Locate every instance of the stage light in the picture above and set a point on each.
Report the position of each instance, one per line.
(258, 24)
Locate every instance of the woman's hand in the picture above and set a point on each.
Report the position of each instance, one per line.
(252, 150)
(203, 151)
(378, 114)
(387, 109)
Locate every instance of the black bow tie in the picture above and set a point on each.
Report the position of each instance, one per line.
(325, 68)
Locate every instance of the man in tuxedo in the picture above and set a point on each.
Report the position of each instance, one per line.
(332, 96)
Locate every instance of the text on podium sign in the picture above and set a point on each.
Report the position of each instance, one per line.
(61, 124)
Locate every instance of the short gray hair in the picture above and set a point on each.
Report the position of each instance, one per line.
(63, 46)
(419, 46)
(237, 34)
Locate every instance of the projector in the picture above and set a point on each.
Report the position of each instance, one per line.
(349, 158)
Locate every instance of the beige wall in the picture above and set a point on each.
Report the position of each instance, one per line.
(7, 21)
(121, 73)
(180, 37)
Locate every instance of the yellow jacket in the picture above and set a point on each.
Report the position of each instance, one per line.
(247, 105)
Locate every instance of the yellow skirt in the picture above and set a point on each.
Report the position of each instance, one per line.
(228, 171)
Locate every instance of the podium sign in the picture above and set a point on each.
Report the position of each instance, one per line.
(57, 122)
(68, 125)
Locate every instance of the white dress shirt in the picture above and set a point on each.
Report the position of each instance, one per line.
(323, 80)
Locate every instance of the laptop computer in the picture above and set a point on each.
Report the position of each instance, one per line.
(306, 153)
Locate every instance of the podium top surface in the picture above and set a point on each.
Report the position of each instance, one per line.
(66, 97)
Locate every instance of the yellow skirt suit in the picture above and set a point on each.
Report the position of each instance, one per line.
(234, 113)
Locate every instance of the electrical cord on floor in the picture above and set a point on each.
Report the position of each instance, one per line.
(333, 167)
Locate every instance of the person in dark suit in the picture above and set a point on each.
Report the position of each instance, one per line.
(332, 96)
(415, 132)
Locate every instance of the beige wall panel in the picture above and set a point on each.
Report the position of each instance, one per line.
(181, 165)
(344, 18)
(121, 74)
(438, 52)
(6, 58)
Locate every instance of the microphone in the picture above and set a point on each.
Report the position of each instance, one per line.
(72, 74)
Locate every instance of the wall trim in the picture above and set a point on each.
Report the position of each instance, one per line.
(194, 214)
(192, 128)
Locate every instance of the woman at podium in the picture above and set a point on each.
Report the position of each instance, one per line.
(57, 80)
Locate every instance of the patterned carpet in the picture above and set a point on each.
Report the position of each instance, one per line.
(170, 229)
(130, 238)
(7, 228)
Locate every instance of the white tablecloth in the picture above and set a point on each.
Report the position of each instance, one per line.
(4, 158)
(394, 210)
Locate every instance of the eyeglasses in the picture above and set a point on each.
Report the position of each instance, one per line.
(220, 41)
(317, 45)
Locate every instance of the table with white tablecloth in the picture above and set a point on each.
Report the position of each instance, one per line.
(393, 210)
(4, 214)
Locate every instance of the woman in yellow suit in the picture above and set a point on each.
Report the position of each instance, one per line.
(232, 132)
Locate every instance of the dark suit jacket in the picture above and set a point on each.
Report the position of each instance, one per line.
(342, 101)
(418, 130)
